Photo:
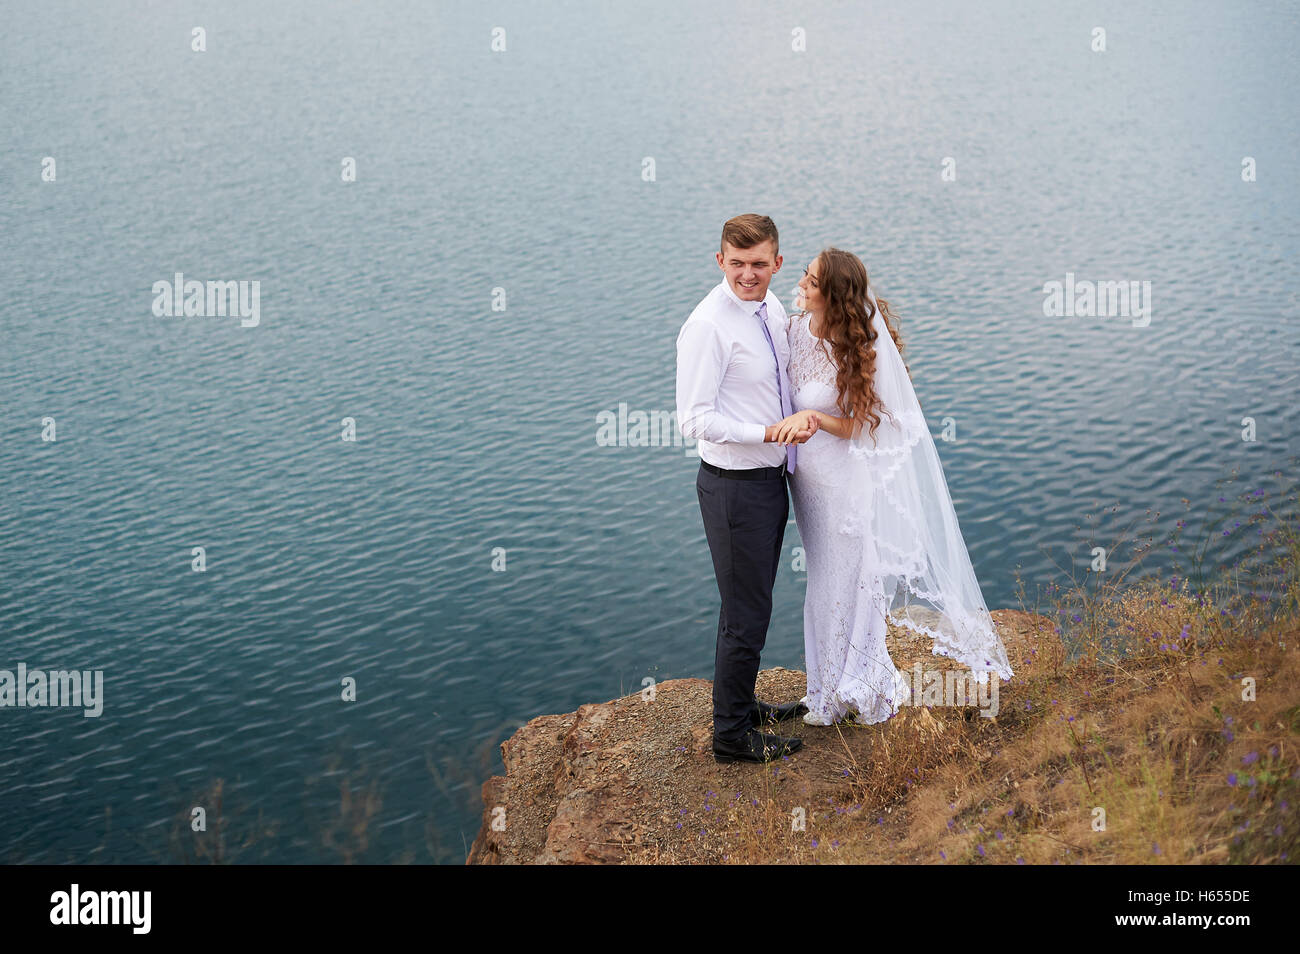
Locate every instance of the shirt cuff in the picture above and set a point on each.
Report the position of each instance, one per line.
(754, 433)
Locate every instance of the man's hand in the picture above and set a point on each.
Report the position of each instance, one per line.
(795, 429)
(814, 424)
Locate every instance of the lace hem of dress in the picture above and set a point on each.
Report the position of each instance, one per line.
(873, 701)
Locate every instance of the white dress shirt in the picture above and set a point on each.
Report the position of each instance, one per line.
(727, 380)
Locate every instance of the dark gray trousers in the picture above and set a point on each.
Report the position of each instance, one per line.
(744, 522)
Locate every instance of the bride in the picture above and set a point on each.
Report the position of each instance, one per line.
(880, 536)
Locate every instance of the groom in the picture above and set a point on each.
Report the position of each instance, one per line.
(731, 390)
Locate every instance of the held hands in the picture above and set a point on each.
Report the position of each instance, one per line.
(795, 429)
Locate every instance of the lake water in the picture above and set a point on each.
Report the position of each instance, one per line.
(524, 170)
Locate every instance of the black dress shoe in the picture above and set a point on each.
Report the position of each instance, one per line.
(754, 746)
(768, 713)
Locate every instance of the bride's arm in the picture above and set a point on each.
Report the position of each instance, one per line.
(844, 428)
(810, 422)
(841, 427)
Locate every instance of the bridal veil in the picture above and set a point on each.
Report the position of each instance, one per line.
(900, 509)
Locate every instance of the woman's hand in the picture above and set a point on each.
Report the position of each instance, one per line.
(792, 429)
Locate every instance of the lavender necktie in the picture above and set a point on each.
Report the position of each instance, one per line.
(780, 387)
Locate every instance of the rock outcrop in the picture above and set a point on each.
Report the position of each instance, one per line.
(615, 781)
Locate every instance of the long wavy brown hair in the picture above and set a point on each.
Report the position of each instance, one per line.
(846, 324)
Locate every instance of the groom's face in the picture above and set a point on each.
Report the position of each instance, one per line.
(749, 270)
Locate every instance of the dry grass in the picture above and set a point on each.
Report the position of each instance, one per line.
(1140, 742)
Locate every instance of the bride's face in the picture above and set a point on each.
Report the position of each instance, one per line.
(749, 270)
(810, 293)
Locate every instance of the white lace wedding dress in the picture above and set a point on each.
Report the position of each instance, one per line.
(880, 542)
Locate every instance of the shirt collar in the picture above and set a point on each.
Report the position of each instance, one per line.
(748, 307)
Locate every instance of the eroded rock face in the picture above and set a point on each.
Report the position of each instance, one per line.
(577, 787)
(613, 780)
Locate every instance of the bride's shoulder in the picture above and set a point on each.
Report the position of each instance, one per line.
(797, 323)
